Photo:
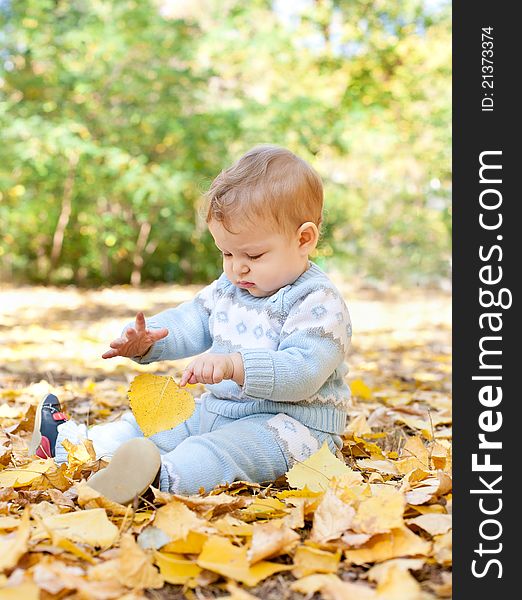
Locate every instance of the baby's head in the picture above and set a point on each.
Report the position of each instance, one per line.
(264, 213)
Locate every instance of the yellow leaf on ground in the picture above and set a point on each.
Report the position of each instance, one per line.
(158, 403)
(22, 476)
(360, 390)
(359, 426)
(383, 546)
(229, 525)
(414, 456)
(236, 593)
(14, 545)
(175, 568)
(394, 581)
(317, 471)
(429, 488)
(78, 454)
(264, 508)
(176, 520)
(332, 588)
(221, 556)
(434, 524)
(90, 527)
(271, 539)
(380, 513)
(442, 548)
(382, 466)
(192, 544)
(24, 591)
(332, 518)
(136, 569)
(308, 560)
(9, 523)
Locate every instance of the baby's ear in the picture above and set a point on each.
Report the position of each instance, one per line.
(308, 236)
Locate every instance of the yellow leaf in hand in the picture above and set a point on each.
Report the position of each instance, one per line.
(158, 403)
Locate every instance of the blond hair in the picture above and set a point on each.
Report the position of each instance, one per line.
(267, 182)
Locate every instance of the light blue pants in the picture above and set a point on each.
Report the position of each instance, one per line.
(210, 449)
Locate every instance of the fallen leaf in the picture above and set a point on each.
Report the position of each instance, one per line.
(14, 545)
(332, 588)
(175, 568)
(271, 539)
(136, 569)
(434, 524)
(317, 471)
(158, 403)
(383, 546)
(414, 456)
(7, 523)
(380, 513)
(24, 591)
(221, 556)
(383, 466)
(176, 520)
(308, 560)
(90, 527)
(25, 475)
(394, 581)
(442, 548)
(360, 390)
(358, 426)
(332, 518)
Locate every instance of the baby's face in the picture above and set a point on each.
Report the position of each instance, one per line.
(259, 260)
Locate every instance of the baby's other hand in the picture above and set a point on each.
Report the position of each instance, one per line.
(213, 368)
(136, 341)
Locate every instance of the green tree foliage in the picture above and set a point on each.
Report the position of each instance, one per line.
(116, 114)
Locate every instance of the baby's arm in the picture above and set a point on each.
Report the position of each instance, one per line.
(314, 340)
(186, 327)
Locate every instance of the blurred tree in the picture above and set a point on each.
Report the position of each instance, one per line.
(115, 115)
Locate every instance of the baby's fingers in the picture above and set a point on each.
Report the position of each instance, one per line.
(158, 334)
(140, 321)
(117, 343)
(187, 374)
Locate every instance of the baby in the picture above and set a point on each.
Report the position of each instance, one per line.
(270, 337)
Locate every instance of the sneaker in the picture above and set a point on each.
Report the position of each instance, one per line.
(133, 468)
(48, 416)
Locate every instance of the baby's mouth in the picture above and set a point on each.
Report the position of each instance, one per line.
(245, 284)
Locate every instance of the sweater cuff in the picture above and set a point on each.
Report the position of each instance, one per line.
(259, 373)
(152, 354)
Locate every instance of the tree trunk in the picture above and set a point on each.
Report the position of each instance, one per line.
(137, 260)
(65, 213)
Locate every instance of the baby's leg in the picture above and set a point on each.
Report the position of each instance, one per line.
(108, 437)
(256, 448)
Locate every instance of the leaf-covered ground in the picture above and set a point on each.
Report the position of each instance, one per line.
(376, 526)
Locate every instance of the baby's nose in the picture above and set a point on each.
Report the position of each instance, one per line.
(241, 268)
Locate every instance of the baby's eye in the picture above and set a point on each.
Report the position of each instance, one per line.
(226, 254)
(254, 257)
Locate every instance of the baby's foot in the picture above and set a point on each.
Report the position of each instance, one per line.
(133, 468)
(49, 415)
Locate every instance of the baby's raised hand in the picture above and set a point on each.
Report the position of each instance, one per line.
(136, 341)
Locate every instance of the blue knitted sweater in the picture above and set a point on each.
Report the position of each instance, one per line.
(293, 345)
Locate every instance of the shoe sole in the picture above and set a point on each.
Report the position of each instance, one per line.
(130, 472)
